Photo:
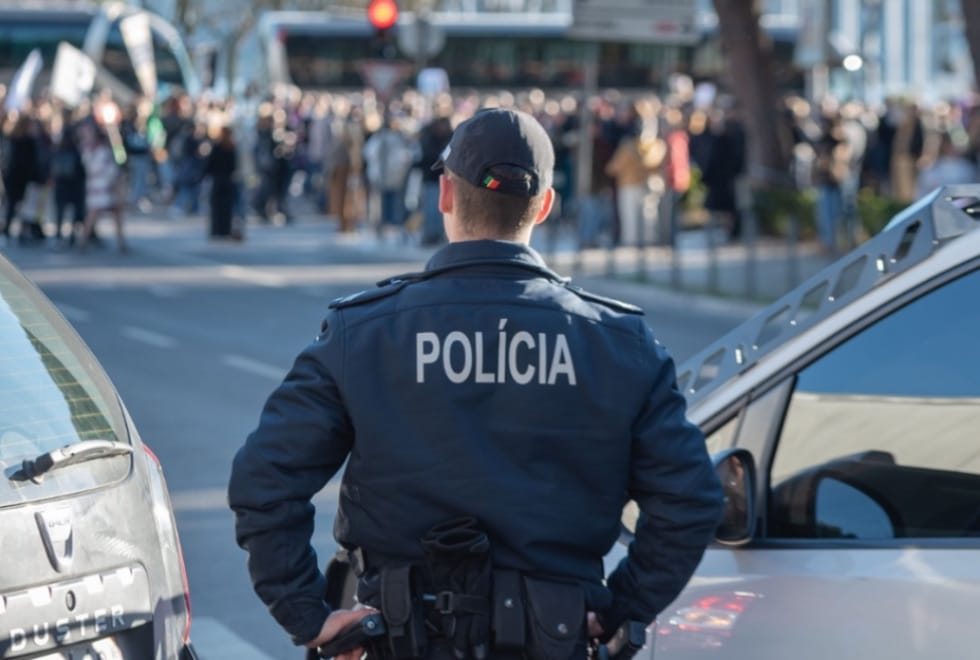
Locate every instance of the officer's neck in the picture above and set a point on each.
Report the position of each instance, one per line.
(458, 234)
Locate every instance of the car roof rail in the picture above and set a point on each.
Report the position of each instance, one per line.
(910, 238)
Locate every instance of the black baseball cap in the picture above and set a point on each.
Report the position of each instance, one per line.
(507, 151)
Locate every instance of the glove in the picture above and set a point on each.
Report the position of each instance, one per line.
(458, 557)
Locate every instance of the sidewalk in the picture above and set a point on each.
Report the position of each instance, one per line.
(734, 274)
(757, 274)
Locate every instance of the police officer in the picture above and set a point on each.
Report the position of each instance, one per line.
(487, 388)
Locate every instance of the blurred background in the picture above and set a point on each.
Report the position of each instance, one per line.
(743, 129)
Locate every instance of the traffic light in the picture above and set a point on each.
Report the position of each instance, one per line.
(383, 14)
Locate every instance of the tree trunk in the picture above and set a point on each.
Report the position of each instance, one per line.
(750, 68)
(971, 19)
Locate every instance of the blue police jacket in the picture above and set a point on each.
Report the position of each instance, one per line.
(484, 386)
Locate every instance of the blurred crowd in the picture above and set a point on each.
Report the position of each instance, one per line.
(364, 164)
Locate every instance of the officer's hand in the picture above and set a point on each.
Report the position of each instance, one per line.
(595, 628)
(337, 622)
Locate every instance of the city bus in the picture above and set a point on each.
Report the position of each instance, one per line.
(95, 31)
(324, 51)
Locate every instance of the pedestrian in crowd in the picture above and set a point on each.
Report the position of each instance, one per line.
(19, 165)
(139, 160)
(446, 486)
(68, 175)
(595, 209)
(832, 161)
(176, 114)
(725, 163)
(388, 158)
(907, 148)
(432, 140)
(565, 137)
(950, 167)
(32, 209)
(677, 172)
(102, 185)
(630, 172)
(273, 152)
(320, 149)
(222, 167)
(341, 169)
(190, 168)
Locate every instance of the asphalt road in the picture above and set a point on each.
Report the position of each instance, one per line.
(195, 335)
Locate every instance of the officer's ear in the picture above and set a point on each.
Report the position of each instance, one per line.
(447, 197)
(545, 212)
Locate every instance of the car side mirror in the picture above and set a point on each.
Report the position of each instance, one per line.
(843, 510)
(736, 470)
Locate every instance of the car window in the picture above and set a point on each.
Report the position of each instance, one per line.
(723, 437)
(880, 437)
(52, 394)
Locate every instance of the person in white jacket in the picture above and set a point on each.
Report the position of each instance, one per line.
(102, 184)
(388, 157)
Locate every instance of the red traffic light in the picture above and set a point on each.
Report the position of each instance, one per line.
(383, 14)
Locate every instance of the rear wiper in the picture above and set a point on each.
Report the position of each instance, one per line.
(77, 452)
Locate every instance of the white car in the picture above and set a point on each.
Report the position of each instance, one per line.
(845, 423)
(90, 561)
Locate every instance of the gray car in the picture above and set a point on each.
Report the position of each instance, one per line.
(90, 561)
(845, 424)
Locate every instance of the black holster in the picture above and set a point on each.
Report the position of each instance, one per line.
(341, 581)
(402, 609)
(458, 560)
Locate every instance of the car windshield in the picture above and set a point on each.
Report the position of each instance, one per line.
(52, 394)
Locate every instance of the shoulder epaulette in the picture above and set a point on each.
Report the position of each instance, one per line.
(612, 303)
(387, 287)
(369, 295)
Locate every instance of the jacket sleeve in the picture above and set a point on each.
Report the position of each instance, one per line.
(679, 495)
(303, 437)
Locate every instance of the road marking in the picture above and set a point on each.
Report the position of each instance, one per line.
(319, 293)
(73, 314)
(214, 641)
(253, 276)
(154, 339)
(164, 291)
(210, 500)
(253, 366)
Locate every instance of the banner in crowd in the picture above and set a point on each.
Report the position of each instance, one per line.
(73, 75)
(139, 42)
(19, 93)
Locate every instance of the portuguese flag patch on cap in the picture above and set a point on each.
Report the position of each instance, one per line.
(491, 183)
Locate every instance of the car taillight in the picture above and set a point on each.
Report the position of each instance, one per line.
(163, 513)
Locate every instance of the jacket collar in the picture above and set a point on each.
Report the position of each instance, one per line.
(469, 254)
(489, 252)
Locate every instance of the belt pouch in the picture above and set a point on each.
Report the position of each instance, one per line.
(508, 611)
(555, 620)
(401, 606)
(340, 585)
